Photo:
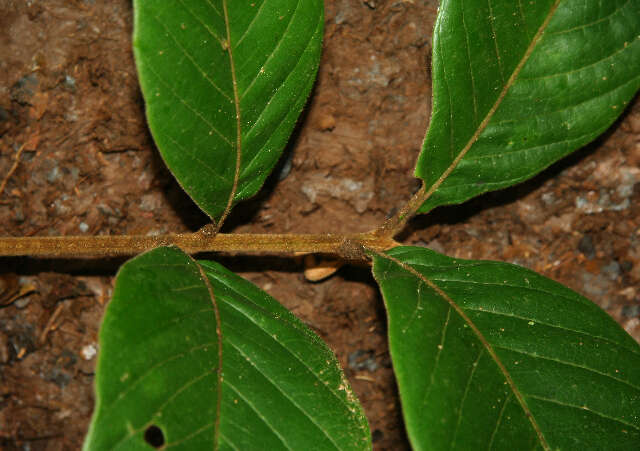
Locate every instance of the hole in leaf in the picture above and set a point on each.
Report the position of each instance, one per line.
(154, 436)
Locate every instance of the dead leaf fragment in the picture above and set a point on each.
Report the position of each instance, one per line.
(11, 290)
(316, 271)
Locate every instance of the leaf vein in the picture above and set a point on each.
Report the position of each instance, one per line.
(595, 22)
(567, 363)
(175, 321)
(204, 25)
(523, 17)
(196, 157)
(449, 97)
(155, 366)
(432, 377)
(499, 420)
(473, 157)
(184, 51)
(248, 165)
(214, 8)
(275, 49)
(302, 330)
(260, 415)
(555, 326)
(578, 69)
(275, 91)
(253, 20)
(284, 393)
(236, 103)
(288, 351)
(474, 94)
(214, 304)
(536, 290)
(415, 310)
(495, 40)
(197, 113)
(582, 409)
(229, 442)
(464, 398)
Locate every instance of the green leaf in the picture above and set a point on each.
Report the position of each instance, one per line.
(172, 324)
(224, 83)
(282, 386)
(489, 355)
(517, 85)
(160, 357)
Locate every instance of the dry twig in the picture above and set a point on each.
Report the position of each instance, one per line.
(16, 162)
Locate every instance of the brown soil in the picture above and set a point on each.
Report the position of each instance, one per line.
(69, 98)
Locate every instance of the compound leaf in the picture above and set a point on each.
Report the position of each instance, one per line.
(517, 85)
(490, 355)
(224, 83)
(160, 358)
(195, 355)
(282, 386)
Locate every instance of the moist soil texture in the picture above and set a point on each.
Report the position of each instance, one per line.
(76, 158)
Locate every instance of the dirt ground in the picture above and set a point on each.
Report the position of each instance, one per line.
(70, 100)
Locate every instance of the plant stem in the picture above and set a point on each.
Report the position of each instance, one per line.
(346, 246)
(394, 225)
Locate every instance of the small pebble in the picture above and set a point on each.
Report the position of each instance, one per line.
(53, 174)
(70, 82)
(631, 311)
(586, 246)
(286, 166)
(327, 122)
(548, 198)
(88, 352)
(362, 360)
(22, 302)
(612, 270)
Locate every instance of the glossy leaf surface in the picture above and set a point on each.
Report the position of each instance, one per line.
(517, 85)
(282, 386)
(172, 324)
(224, 82)
(490, 355)
(159, 358)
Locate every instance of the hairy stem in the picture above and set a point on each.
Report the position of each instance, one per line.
(346, 246)
(394, 225)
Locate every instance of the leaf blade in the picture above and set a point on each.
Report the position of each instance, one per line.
(520, 123)
(322, 412)
(276, 386)
(159, 360)
(472, 328)
(224, 83)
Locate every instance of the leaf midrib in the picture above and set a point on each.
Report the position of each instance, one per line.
(509, 84)
(236, 102)
(214, 303)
